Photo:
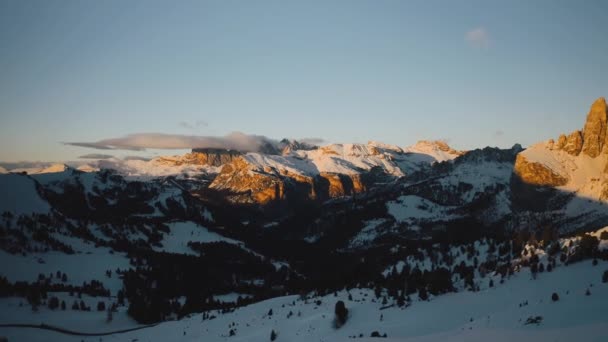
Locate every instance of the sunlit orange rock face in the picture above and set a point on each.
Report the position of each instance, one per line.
(207, 156)
(536, 173)
(342, 185)
(242, 184)
(594, 133)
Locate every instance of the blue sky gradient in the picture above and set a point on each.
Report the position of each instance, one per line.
(344, 71)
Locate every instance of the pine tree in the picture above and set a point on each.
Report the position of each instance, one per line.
(341, 314)
(422, 294)
(273, 335)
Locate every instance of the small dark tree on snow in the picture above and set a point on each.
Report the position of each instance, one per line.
(273, 335)
(101, 306)
(605, 277)
(422, 294)
(270, 312)
(53, 303)
(341, 314)
(554, 297)
(374, 334)
(587, 293)
(534, 269)
(121, 297)
(75, 306)
(401, 300)
(491, 283)
(63, 305)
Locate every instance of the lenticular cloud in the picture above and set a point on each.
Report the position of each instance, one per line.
(141, 141)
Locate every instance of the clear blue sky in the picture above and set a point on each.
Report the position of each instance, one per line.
(476, 73)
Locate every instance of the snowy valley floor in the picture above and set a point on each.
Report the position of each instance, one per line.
(493, 314)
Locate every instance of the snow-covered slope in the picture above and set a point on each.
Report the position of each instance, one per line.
(479, 179)
(494, 314)
(585, 176)
(350, 159)
(437, 150)
(410, 209)
(180, 233)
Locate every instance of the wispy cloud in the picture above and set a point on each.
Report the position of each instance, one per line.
(25, 165)
(312, 141)
(89, 145)
(136, 158)
(141, 141)
(96, 156)
(478, 37)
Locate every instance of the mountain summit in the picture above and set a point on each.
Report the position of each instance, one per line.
(575, 166)
(594, 133)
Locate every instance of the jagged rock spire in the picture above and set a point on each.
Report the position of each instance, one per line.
(594, 133)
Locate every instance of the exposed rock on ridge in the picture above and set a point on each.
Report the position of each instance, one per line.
(212, 156)
(594, 133)
(576, 159)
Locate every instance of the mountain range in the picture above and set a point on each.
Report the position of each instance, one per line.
(295, 225)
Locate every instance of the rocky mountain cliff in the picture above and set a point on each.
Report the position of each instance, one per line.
(322, 173)
(576, 163)
(568, 177)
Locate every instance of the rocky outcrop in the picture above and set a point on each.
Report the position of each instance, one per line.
(574, 143)
(594, 133)
(211, 156)
(243, 182)
(552, 173)
(201, 157)
(339, 185)
(244, 185)
(593, 139)
(561, 142)
(537, 174)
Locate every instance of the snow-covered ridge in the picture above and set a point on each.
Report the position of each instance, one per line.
(307, 160)
(352, 159)
(439, 150)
